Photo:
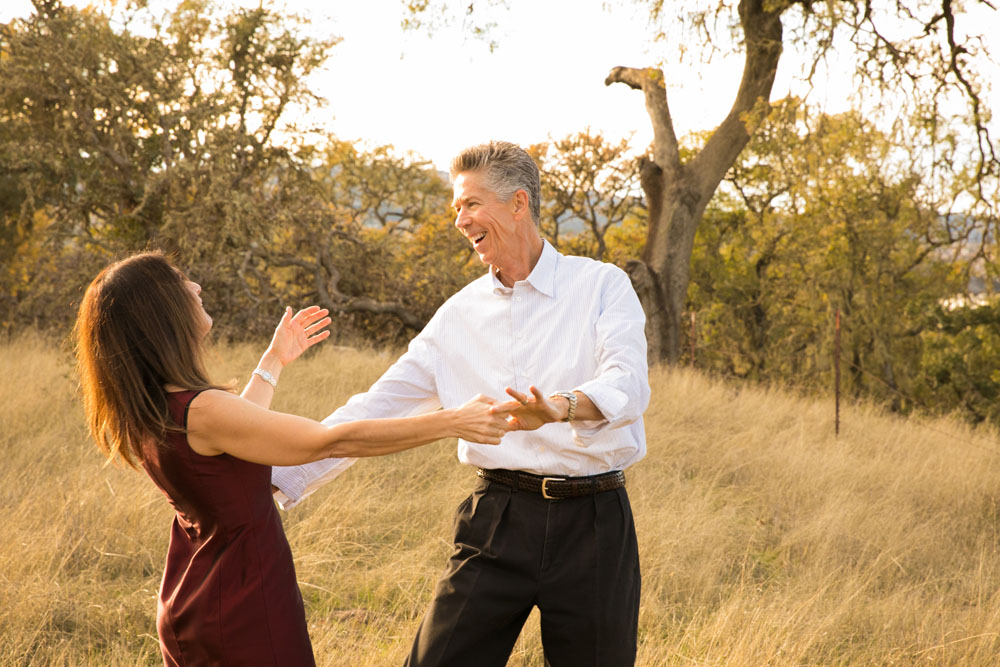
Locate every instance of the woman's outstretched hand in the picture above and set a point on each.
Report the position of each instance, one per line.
(474, 421)
(297, 333)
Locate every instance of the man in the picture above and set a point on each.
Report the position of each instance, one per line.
(548, 523)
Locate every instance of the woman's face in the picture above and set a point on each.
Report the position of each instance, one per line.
(206, 319)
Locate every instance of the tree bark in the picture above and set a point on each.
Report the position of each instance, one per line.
(677, 193)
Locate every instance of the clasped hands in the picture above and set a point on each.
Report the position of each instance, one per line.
(528, 412)
(525, 412)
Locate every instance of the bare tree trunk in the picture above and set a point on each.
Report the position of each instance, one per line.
(676, 193)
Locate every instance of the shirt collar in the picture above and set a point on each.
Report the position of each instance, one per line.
(542, 277)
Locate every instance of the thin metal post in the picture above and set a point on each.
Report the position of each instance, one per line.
(836, 372)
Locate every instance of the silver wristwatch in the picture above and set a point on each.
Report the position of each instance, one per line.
(266, 377)
(571, 397)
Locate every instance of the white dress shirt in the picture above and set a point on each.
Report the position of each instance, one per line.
(573, 324)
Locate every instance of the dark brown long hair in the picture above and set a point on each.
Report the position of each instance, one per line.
(137, 330)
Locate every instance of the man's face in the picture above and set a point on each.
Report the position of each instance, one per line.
(488, 223)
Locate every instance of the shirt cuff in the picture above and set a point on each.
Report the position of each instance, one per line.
(610, 401)
(284, 502)
(295, 483)
(291, 485)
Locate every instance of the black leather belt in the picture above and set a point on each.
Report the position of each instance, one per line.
(554, 488)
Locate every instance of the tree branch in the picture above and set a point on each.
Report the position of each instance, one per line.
(330, 296)
(763, 31)
(651, 82)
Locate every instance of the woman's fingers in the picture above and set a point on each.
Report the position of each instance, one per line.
(313, 322)
(316, 326)
(492, 431)
(310, 314)
(321, 336)
(506, 408)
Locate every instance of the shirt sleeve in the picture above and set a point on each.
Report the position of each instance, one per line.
(620, 387)
(407, 388)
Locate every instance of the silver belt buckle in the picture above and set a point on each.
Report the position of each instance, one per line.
(546, 480)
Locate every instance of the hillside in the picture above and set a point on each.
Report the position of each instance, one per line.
(764, 539)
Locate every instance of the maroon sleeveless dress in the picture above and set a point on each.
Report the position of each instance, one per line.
(229, 594)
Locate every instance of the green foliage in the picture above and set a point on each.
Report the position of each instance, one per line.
(960, 361)
(825, 214)
(590, 183)
(138, 131)
(120, 139)
(363, 234)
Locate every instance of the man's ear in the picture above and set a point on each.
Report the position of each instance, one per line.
(521, 202)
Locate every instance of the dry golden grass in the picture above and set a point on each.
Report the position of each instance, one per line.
(764, 539)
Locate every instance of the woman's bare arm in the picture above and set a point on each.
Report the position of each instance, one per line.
(220, 422)
(294, 335)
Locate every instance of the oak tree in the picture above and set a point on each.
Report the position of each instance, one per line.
(927, 50)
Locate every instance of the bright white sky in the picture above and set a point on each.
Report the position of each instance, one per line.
(437, 94)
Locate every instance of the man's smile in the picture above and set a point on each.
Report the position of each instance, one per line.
(477, 238)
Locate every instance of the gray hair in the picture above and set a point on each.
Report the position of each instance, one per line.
(508, 169)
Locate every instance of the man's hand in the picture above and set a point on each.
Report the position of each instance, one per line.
(528, 412)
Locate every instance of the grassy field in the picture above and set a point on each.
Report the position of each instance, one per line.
(764, 539)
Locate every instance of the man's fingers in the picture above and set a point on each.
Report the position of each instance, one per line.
(516, 395)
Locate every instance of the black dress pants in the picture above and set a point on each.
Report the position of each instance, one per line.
(576, 559)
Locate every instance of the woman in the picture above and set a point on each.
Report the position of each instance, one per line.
(229, 593)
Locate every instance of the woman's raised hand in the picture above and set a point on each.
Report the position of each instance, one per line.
(297, 333)
(475, 423)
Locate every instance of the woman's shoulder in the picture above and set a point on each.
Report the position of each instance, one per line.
(211, 398)
(212, 412)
